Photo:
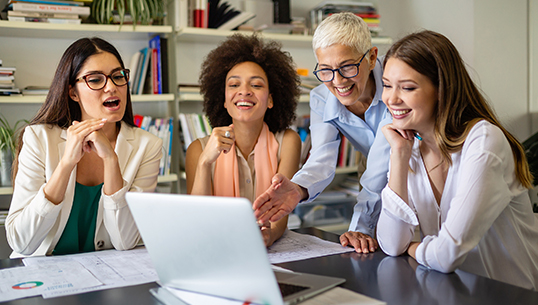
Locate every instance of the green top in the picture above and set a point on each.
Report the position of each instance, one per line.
(79, 232)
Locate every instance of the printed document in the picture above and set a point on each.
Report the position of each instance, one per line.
(111, 267)
(293, 246)
(50, 278)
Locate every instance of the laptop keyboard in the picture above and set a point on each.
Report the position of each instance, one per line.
(288, 289)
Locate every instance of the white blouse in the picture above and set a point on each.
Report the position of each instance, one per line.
(484, 223)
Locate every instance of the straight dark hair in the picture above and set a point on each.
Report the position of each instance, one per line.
(59, 109)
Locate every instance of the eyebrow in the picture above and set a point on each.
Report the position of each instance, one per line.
(401, 81)
(253, 77)
(342, 63)
(99, 71)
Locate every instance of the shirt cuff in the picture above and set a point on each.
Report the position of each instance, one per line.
(43, 207)
(393, 204)
(115, 201)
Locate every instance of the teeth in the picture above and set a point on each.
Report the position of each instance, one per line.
(344, 90)
(400, 112)
(245, 104)
(111, 102)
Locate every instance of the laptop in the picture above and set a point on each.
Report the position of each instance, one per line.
(213, 245)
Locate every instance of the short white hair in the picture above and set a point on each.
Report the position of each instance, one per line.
(343, 28)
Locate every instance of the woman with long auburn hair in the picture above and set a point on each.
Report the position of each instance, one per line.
(455, 172)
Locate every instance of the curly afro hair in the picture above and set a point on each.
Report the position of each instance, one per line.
(278, 66)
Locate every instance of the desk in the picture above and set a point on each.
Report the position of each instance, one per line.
(395, 280)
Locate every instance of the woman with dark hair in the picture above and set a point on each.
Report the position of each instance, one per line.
(78, 157)
(455, 171)
(250, 90)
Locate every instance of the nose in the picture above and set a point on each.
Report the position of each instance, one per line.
(109, 85)
(338, 79)
(245, 90)
(391, 97)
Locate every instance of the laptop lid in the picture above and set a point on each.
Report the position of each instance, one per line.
(213, 245)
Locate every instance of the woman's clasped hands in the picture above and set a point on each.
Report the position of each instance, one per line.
(85, 137)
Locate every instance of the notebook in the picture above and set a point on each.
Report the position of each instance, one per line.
(213, 245)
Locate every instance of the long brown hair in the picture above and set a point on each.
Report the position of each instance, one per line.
(59, 109)
(461, 104)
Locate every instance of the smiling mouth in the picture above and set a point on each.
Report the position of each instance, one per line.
(345, 89)
(400, 112)
(111, 103)
(244, 104)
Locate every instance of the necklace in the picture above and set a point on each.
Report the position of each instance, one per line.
(431, 169)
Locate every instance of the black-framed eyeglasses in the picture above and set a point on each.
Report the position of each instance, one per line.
(97, 81)
(347, 71)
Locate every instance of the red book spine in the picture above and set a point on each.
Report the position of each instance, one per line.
(155, 71)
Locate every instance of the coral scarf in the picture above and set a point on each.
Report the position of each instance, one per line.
(265, 165)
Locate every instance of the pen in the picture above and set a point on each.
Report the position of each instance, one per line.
(418, 136)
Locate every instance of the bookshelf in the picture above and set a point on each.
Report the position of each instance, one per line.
(200, 35)
(39, 99)
(74, 31)
(18, 48)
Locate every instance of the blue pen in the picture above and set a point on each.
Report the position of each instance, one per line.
(418, 137)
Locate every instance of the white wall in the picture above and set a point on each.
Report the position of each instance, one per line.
(491, 36)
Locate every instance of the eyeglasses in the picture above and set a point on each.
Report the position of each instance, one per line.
(97, 81)
(347, 71)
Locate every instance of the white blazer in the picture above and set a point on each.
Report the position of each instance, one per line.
(34, 225)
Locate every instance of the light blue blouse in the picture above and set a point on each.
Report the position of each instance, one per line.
(328, 117)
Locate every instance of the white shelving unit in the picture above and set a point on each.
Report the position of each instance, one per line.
(49, 42)
(73, 31)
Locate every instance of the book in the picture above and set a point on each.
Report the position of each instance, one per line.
(7, 70)
(154, 71)
(44, 19)
(133, 68)
(83, 11)
(42, 15)
(9, 91)
(199, 13)
(137, 118)
(220, 13)
(185, 131)
(142, 71)
(181, 17)
(170, 137)
(165, 87)
(237, 21)
(35, 90)
(155, 44)
(52, 2)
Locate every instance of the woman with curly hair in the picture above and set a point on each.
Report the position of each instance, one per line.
(250, 90)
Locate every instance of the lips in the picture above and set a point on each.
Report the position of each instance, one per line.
(344, 89)
(244, 104)
(111, 103)
(400, 112)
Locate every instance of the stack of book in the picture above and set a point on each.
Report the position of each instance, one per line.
(50, 11)
(7, 80)
(210, 14)
(164, 129)
(365, 10)
(347, 155)
(193, 126)
(149, 68)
